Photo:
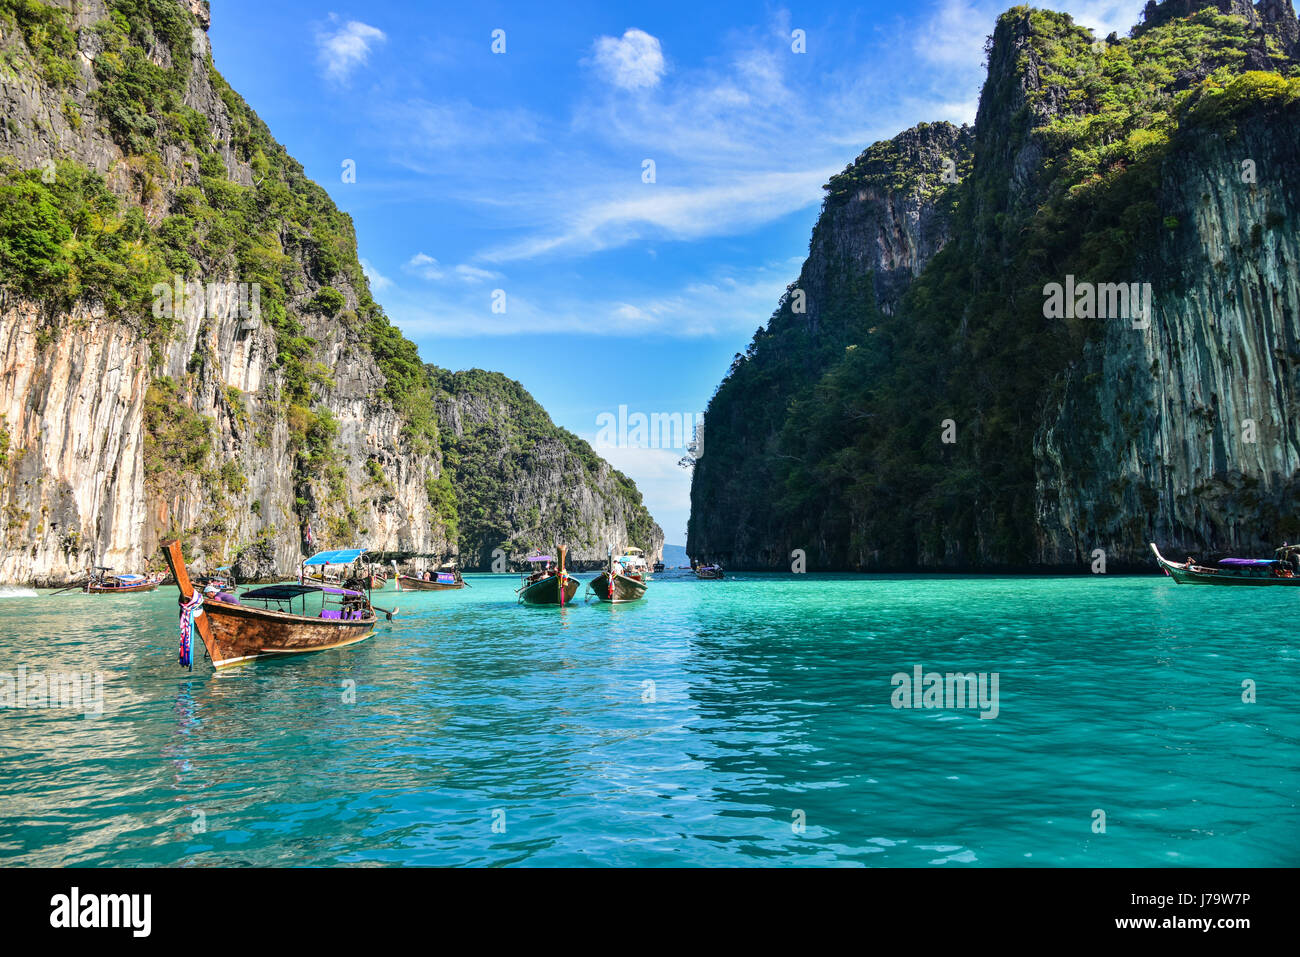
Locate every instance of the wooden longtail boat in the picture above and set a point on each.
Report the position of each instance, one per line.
(708, 572)
(1231, 571)
(100, 582)
(446, 578)
(540, 588)
(233, 631)
(618, 583)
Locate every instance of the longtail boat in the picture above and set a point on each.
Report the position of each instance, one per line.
(708, 572)
(282, 620)
(100, 582)
(617, 584)
(1234, 571)
(547, 587)
(445, 578)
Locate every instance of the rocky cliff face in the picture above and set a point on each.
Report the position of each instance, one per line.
(957, 422)
(125, 419)
(525, 485)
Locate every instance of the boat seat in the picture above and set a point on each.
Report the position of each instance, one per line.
(331, 613)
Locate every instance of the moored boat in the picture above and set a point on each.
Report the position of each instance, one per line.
(1233, 571)
(100, 581)
(615, 585)
(708, 572)
(548, 585)
(633, 563)
(282, 619)
(447, 577)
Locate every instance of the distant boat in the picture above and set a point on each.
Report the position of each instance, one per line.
(633, 562)
(445, 578)
(1233, 571)
(99, 581)
(546, 586)
(615, 585)
(708, 572)
(284, 621)
(658, 567)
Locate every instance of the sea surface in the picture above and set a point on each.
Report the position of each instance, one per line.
(744, 722)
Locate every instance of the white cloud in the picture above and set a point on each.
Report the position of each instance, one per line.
(740, 202)
(632, 62)
(378, 281)
(424, 266)
(474, 274)
(342, 50)
(725, 303)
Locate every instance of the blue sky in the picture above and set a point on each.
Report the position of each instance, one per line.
(524, 171)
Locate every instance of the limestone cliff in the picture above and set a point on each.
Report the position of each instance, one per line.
(282, 403)
(956, 421)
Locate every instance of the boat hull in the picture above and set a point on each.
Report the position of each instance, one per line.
(1185, 574)
(709, 575)
(625, 589)
(547, 591)
(120, 589)
(242, 633)
(408, 583)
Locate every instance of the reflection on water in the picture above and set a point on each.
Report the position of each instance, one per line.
(741, 721)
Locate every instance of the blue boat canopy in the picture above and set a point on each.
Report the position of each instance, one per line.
(342, 556)
(1247, 562)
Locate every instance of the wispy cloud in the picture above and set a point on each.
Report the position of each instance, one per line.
(346, 46)
(378, 281)
(658, 211)
(726, 302)
(470, 273)
(424, 266)
(633, 61)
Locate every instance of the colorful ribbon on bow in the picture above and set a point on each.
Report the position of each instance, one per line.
(188, 610)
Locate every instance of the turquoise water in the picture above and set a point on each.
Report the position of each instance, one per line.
(487, 733)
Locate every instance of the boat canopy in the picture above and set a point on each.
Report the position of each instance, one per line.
(342, 556)
(286, 592)
(1247, 562)
(539, 558)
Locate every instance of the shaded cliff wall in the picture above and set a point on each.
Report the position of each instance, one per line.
(882, 221)
(1185, 432)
